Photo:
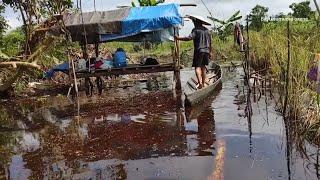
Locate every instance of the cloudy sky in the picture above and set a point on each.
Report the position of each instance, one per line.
(219, 8)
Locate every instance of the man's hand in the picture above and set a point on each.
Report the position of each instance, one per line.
(182, 38)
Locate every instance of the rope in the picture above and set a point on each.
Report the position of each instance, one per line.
(207, 8)
(214, 26)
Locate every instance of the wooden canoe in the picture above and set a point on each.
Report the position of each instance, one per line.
(213, 82)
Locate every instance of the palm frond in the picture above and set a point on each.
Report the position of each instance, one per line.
(217, 20)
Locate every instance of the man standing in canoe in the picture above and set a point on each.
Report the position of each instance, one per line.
(202, 47)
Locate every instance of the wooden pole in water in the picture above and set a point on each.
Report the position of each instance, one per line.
(176, 61)
(288, 71)
(178, 65)
(247, 72)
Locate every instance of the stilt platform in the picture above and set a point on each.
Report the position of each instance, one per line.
(130, 69)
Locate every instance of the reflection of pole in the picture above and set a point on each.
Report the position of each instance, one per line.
(317, 164)
(181, 118)
(78, 109)
(288, 149)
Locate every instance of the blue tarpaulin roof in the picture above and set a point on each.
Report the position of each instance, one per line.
(148, 19)
(130, 22)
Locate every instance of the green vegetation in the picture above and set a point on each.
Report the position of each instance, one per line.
(257, 15)
(226, 27)
(3, 23)
(302, 10)
(269, 47)
(148, 2)
(14, 43)
(30, 44)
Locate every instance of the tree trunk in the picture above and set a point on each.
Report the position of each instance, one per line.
(16, 64)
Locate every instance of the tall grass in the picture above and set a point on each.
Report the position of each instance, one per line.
(270, 49)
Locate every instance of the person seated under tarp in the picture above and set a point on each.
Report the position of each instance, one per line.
(120, 58)
(104, 61)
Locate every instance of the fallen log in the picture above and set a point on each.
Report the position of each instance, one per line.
(16, 64)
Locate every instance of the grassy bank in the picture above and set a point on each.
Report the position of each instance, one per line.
(270, 49)
(222, 50)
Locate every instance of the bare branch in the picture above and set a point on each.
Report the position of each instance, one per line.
(16, 64)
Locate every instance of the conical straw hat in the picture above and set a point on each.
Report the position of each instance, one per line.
(200, 18)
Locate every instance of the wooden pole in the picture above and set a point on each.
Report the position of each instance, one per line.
(188, 5)
(248, 74)
(176, 62)
(288, 71)
(74, 76)
(248, 52)
(177, 66)
(96, 46)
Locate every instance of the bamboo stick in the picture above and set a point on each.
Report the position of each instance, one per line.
(16, 64)
(75, 78)
(288, 71)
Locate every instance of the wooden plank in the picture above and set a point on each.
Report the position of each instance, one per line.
(127, 70)
(194, 81)
(191, 86)
(188, 5)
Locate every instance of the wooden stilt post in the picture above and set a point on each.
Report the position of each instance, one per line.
(96, 46)
(72, 75)
(248, 56)
(176, 61)
(75, 78)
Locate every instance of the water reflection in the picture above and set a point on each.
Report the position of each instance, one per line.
(149, 137)
(102, 146)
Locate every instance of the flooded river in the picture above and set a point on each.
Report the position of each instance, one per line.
(148, 137)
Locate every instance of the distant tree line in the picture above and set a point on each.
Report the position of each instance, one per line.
(299, 10)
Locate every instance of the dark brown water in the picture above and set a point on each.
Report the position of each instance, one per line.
(148, 137)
